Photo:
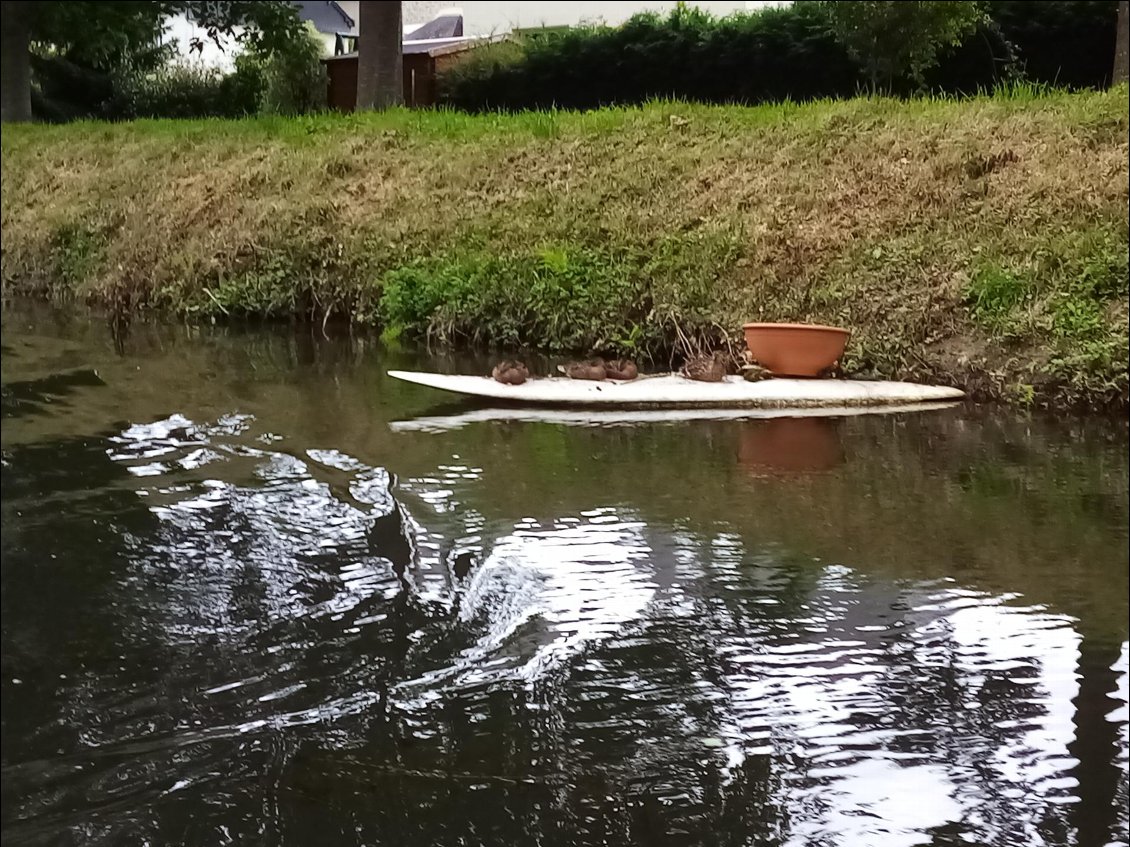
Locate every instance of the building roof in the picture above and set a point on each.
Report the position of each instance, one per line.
(444, 26)
(351, 8)
(327, 16)
(430, 46)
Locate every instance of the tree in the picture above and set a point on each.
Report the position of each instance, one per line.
(1122, 45)
(103, 29)
(380, 73)
(15, 61)
(896, 38)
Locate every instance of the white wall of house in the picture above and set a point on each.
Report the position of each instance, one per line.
(181, 30)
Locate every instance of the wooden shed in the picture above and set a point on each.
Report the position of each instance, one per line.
(423, 60)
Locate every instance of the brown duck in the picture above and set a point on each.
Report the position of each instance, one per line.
(622, 369)
(510, 372)
(705, 368)
(591, 369)
(755, 373)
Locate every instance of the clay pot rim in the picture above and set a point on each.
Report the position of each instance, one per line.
(821, 327)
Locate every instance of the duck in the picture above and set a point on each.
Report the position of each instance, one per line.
(590, 369)
(753, 372)
(510, 372)
(622, 369)
(706, 368)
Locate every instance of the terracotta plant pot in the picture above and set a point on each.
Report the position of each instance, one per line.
(795, 349)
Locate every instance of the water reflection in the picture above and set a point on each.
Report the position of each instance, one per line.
(29, 397)
(461, 415)
(260, 616)
(791, 445)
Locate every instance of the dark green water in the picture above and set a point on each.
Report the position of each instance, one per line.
(255, 592)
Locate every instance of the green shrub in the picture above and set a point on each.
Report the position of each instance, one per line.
(565, 298)
(75, 83)
(1067, 43)
(290, 80)
(994, 294)
(772, 55)
(65, 90)
(555, 298)
(413, 295)
(77, 250)
(893, 39)
(244, 87)
(181, 91)
(1092, 272)
(294, 79)
(480, 77)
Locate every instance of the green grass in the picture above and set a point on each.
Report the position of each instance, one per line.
(980, 242)
(995, 296)
(1068, 298)
(77, 251)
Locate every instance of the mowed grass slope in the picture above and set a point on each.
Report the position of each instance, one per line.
(979, 242)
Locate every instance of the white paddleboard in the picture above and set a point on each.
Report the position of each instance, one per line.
(676, 391)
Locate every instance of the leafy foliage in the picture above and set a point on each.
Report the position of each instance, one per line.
(102, 33)
(184, 91)
(102, 59)
(143, 81)
(773, 54)
(556, 298)
(782, 54)
(1060, 42)
(897, 38)
(64, 89)
(294, 78)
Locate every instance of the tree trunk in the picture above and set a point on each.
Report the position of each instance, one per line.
(380, 61)
(15, 61)
(1122, 45)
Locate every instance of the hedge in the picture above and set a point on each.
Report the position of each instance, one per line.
(772, 55)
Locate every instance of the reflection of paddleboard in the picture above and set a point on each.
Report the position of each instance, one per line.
(675, 391)
(630, 417)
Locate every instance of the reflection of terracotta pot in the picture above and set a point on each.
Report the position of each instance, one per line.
(791, 444)
(795, 349)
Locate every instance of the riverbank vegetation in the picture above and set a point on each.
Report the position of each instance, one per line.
(980, 242)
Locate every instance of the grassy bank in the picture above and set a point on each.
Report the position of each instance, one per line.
(982, 243)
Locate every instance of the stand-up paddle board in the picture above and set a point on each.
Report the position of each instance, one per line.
(676, 391)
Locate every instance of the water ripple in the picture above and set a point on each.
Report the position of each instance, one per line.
(288, 629)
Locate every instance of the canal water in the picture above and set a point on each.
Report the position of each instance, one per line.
(256, 592)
